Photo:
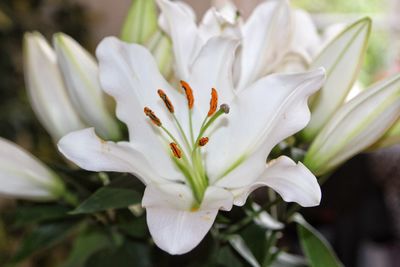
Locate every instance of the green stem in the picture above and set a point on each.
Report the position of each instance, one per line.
(182, 132)
(271, 242)
(70, 198)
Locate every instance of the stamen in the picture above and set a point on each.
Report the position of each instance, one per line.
(189, 93)
(213, 102)
(175, 150)
(203, 141)
(154, 119)
(166, 100)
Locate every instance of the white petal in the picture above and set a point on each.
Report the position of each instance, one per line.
(305, 35)
(294, 182)
(48, 96)
(213, 69)
(182, 28)
(174, 227)
(89, 152)
(80, 72)
(129, 73)
(273, 109)
(266, 37)
(342, 59)
(265, 220)
(209, 25)
(24, 176)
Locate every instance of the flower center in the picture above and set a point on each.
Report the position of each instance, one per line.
(190, 162)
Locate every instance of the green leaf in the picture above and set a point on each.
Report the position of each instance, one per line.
(342, 59)
(129, 254)
(39, 213)
(85, 246)
(43, 237)
(116, 195)
(136, 228)
(315, 247)
(227, 258)
(141, 22)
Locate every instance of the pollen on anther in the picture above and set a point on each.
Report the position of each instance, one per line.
(175, 150)
(154, 119)
(203, 141)
(166, 100)
(213, 102)
(189, 93)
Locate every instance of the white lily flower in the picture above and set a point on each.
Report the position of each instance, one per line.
(25, 177)
(355, 126)
(46, 90)
(194, 158)
(80, 73)
(265, 37)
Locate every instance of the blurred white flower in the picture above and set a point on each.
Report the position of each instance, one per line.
(69, 98)
(25, 177)
(342, 59)
(80, 73)
(355, 126)
(46, 90)
(194, 157)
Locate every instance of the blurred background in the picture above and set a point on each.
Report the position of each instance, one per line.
(360, 213)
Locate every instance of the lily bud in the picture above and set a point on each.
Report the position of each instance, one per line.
(355, 126)
(160, 46)
(80, 72)
(47, 93)
(342, 59)
(141, 22)
(391, 137)
(23, 176)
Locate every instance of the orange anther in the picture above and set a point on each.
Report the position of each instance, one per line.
(213, 102)
(175, 150)
(189, 93)
(154, 119)
(166, 100)
(203, 141)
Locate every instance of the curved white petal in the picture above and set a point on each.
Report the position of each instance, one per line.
(294, 182)
(213, 69)
(175, 227)
(89, 152)
(266, 38)
(129, 74)
(47, 93)
(305, 35)
(80, 72)
(182, 28)
(24, 176)
(222, 20)
(274, 108)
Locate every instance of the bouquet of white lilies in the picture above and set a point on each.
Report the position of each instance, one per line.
(205, 114)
